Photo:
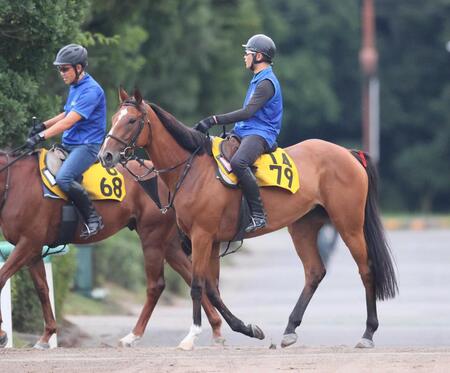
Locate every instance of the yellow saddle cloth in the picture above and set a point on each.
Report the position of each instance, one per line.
(273, 169)
(100, 183)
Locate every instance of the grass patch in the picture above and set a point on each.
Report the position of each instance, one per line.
(77, 304)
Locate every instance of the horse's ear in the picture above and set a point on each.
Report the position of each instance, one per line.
(123, 95)
(138, 96)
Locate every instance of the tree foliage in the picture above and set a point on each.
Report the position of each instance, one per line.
(30, 34)
(186, 55)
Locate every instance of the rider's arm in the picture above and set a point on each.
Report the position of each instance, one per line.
(64, 124)
(263, 93)
(50, 122)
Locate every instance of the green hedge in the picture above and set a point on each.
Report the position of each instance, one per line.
(119, 259)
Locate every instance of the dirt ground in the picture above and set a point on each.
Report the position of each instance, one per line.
(219, 359)
(417, 318)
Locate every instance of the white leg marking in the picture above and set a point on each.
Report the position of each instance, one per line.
(188, 342)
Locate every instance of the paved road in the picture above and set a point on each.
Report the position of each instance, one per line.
(265, 280)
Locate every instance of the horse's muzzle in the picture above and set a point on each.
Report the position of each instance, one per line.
(107, 159)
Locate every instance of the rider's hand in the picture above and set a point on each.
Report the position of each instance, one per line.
(205, 124)
(34, 140)
(39, 127)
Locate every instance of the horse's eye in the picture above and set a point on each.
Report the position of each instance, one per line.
(132, 120)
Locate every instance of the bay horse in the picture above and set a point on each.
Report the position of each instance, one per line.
(335, 184)
(30, 221)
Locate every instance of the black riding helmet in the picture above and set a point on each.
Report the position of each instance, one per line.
(72, 54)
(261, 43)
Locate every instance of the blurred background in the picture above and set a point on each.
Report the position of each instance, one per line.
(186, 56)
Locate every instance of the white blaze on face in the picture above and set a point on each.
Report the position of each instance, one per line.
(122, 113)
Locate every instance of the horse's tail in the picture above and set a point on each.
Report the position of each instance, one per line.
(380, 256)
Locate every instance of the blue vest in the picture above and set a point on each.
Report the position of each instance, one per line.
(266, 122)
(88, 100)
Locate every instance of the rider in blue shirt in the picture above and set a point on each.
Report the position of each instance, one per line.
(83, 124)
(258, 123)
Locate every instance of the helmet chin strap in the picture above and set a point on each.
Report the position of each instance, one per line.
(255, 62)
(77, 74)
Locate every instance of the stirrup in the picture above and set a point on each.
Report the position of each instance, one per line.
(88, 231)
(256, 223)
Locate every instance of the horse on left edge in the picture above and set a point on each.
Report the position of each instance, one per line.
(30, 221)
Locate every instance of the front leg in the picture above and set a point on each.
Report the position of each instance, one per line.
(201, 252)
(37, 272)
(212, 290)
(21, 255)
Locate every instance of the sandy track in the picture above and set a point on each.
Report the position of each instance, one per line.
(215, 359)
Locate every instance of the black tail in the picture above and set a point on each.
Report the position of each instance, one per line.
(380, 256)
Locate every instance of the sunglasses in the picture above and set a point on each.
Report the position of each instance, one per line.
(63, 69)
(246, 53)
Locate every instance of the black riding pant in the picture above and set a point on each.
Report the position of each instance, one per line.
(250, 149)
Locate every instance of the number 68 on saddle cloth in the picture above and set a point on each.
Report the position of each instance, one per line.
(100, 183)
(272, 169)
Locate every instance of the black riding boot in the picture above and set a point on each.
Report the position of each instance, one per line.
(250, 189)
(92, 221)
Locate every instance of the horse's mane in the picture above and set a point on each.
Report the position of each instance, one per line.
(186, 137)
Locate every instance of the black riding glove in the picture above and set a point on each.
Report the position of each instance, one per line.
(34, 140)
(205, 124)
(39, 127)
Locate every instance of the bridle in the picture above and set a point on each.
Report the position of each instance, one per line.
(129, 149)
(129, 153)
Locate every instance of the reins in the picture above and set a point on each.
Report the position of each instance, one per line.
(14, 154)
(7, 167)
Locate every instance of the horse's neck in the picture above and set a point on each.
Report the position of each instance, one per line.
(3, 174)
(164, 150)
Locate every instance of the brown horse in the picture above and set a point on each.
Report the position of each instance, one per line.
(30, 221)
(334, 185)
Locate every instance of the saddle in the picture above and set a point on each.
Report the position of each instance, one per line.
(275, 168)
(229, 146)
(100, 183)
(53, 161)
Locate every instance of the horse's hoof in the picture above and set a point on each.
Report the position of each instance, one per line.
(130, 340)
(288, 339)
(365, 343)
(257, 332)
(218, 341)
(186, 345)
(3, 340)
(41, 346)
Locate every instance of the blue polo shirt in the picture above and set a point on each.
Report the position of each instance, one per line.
(88, 100)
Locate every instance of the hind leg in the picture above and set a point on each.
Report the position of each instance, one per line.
(348, 218)
(154, 251)
(304, 235)
(37, 272)
(356, 242)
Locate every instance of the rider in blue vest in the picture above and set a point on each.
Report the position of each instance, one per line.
(258, 123)
(83, 125)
